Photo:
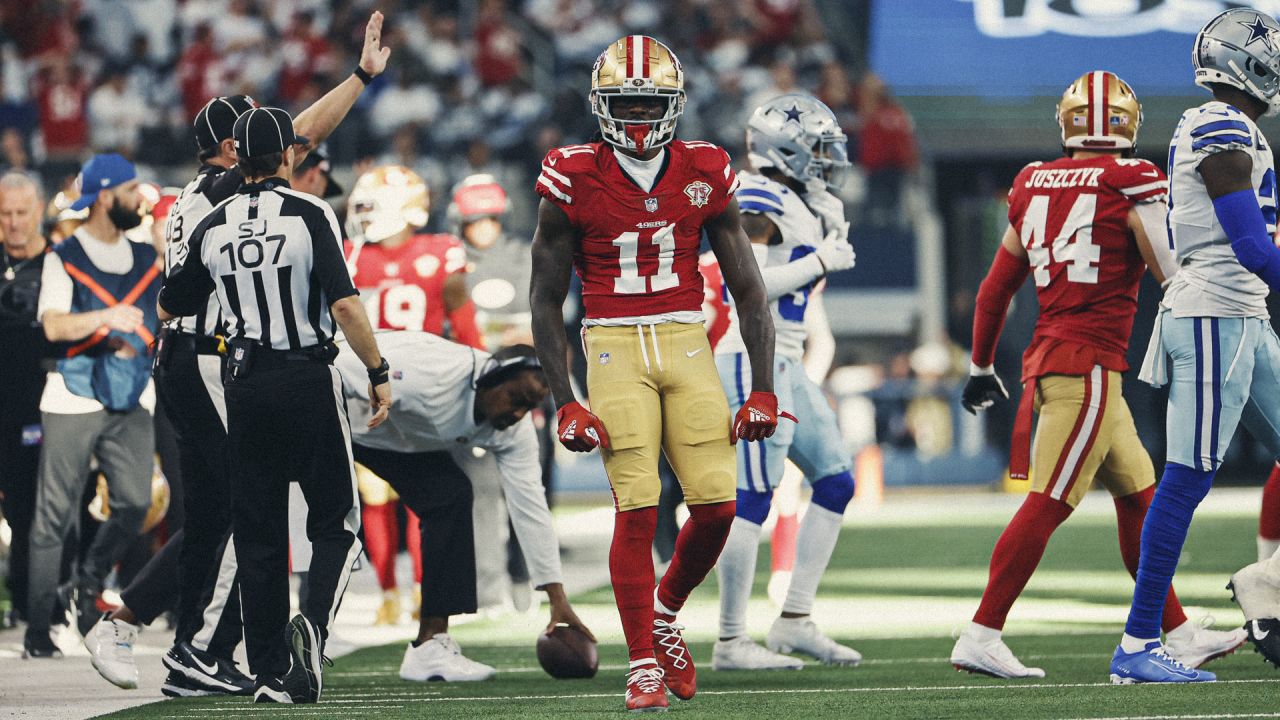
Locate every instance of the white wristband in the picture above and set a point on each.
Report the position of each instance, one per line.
(977, 371)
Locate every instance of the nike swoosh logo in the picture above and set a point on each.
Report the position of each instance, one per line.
(691, 353)
(1174, 671)
(1258, 633)
(209, 669)
(553, 161)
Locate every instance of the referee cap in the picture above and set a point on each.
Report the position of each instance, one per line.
(263, 131)
(215, 120)
(319, 157)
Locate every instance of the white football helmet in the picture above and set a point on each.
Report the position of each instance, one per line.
(799, 136)
(385, 201)
(1241, 48)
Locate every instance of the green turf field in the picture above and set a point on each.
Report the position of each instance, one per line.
(894, 592)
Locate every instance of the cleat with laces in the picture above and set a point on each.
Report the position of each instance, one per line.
(677, 662)
(801, 635)
(177, 685)
(741, 653)
(1153, 665)
(1205, 645)
(440, 659)
(645, 689)
(110, 644)
(993, 659)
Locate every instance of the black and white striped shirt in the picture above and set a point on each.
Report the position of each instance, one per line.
(274, 256)
(211, 186)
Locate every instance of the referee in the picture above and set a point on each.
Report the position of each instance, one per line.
(274, 256)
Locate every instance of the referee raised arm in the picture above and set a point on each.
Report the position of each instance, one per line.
(274, 257)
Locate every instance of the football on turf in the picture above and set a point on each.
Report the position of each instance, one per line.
(566, 653)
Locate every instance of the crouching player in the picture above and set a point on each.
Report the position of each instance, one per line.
(1084, 226)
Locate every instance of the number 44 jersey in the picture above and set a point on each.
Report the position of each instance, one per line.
(1071, 216)
(638, 255)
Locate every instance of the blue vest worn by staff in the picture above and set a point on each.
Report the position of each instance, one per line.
(92, 368)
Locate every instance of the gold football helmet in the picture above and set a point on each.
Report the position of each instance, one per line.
(637, 65)
(1099, 112)
(385, 201)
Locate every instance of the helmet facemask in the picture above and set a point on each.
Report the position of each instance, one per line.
(635, 134)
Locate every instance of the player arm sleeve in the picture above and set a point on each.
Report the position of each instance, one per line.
(788, 277)
(1241, 218)
(1006, 275)
(1152, 215)
(517, 460)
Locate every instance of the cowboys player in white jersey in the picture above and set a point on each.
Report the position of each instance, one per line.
(1212, 342)
(799, 234)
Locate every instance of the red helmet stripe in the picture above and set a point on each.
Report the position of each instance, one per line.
(1103, 107)
(648, 49)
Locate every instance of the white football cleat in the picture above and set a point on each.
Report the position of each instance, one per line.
(1205, 645)
(110, 644)
(741, 653)
(440, 658)
(801, 635)
(992, 658)
(1256, 592)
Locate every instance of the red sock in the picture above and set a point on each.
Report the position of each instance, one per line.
(413, 539)
(1269, 520)
(783, 544)
(1016, 555)
(698, 547)
(1131, 510)
(382, 541)
(631, 570)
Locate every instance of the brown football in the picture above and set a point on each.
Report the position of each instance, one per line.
(567, 653)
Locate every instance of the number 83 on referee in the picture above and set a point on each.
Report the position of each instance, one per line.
(274, 257)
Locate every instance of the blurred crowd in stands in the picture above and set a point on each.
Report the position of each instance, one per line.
(476, 86)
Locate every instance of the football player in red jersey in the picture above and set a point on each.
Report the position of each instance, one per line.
(408, 281)
(627, 213)
(1084, 226)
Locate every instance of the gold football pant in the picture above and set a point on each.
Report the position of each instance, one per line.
(655, 388)
(1085, 431)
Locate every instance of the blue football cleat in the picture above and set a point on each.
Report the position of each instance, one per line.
(1153, 665)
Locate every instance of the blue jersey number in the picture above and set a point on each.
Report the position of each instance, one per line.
(792, 305)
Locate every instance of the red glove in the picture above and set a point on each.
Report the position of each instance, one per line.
(579, 430)
(758, 418)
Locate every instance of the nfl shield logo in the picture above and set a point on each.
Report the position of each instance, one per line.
(651, 204)
(604, 358)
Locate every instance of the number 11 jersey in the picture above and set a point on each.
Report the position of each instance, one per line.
(638, 251)
(1071, 216)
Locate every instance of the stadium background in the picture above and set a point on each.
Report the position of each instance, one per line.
(943, 101)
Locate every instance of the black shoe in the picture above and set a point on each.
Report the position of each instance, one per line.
(306, 654)
(1265, 636)
(87, 612)
(271, 690)
(207, 672)
(38, 644)
(177, 685)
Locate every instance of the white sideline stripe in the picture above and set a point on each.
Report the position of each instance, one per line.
(775, 691)
(1087, 430)
(1182, 717)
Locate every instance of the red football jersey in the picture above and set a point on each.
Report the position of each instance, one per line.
(403, 288)
(1072, 217)
(639, 250)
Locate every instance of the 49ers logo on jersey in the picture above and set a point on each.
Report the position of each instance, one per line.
(699, 193)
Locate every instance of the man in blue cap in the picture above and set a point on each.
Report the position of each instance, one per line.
(97, 298)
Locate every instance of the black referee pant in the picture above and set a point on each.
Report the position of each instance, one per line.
(287, 422)
(190, 389)
(433, 486)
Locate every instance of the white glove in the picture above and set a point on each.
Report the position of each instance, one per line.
(835, 252)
